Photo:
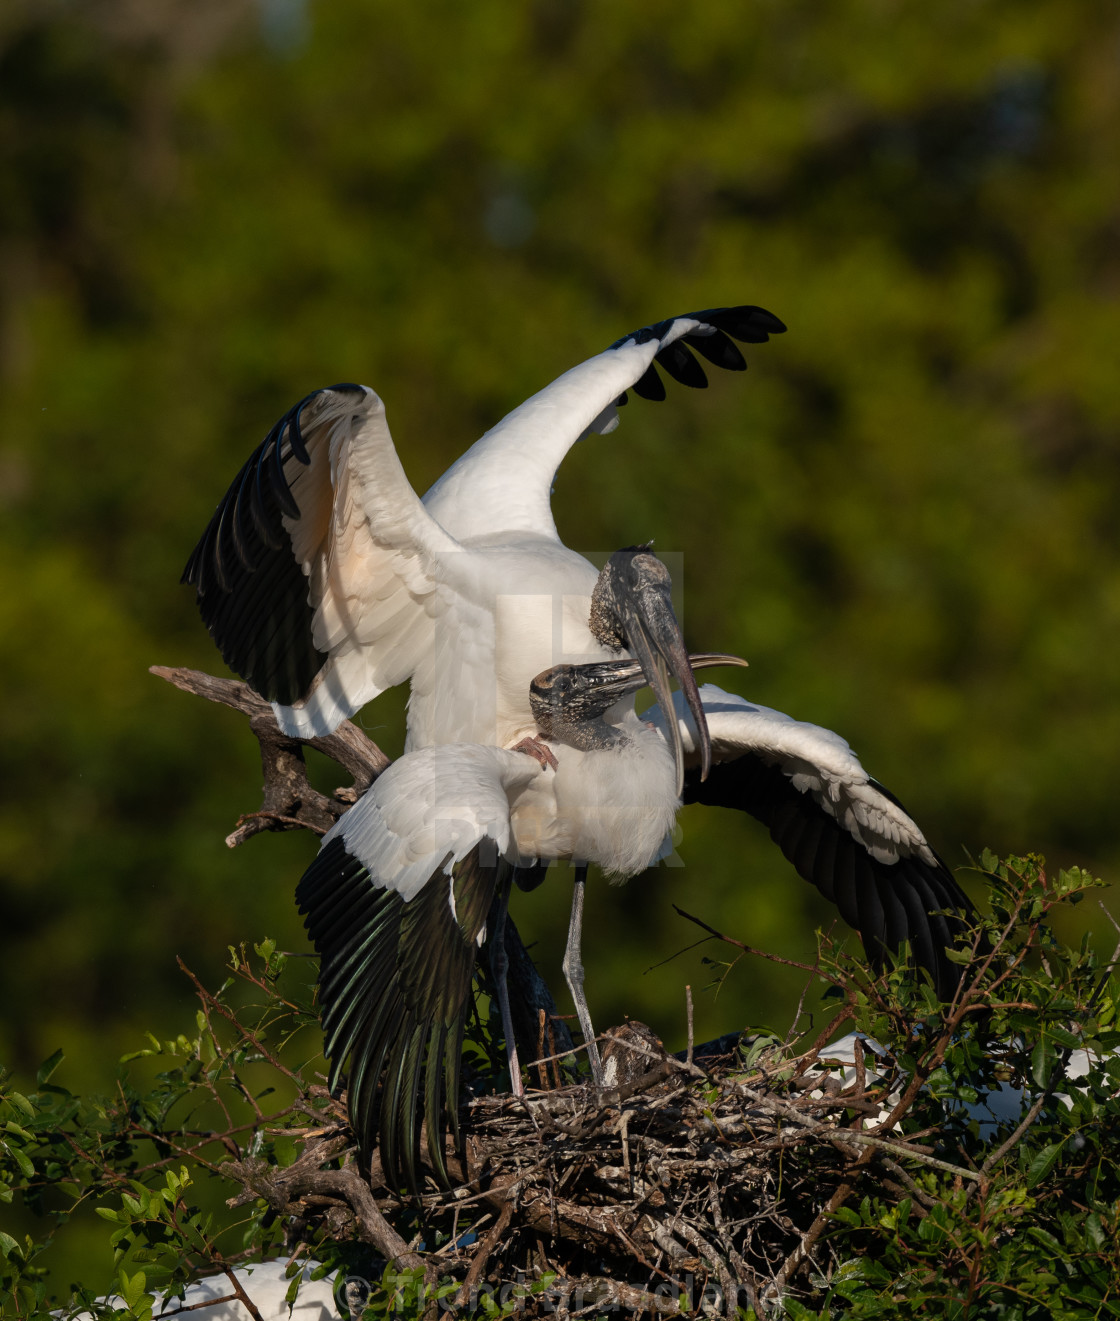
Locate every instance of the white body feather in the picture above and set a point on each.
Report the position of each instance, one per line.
(613, 806)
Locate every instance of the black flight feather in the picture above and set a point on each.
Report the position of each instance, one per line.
(751, 325)
(681, 365)
(252, 595)
(394, 985)
(719, 349)
(888, 903)
(650, 385)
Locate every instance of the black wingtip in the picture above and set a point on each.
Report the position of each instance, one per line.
(394, 985)
(747, 323)
(914, 899)
(252, 594)
(650, 385)
(681, 365)
(712, 338)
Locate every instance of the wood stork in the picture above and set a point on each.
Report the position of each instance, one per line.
(397, 900)
(325, 580)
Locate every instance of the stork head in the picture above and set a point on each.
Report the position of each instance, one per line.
(570, 701)
(632, 609)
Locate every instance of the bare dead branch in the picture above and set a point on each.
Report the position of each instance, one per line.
(289, 802)
(283, 1188)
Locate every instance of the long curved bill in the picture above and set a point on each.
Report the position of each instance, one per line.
(619, 678)
(654, 636)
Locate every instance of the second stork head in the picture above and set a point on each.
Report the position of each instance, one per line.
(570, 703)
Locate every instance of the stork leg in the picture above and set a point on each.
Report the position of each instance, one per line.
(573, 973)
(499, 966)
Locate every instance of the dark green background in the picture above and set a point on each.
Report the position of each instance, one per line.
(904, 515)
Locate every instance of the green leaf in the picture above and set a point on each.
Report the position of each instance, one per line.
(1062, 1036)
(133, 1289)
(1094, 1231)
(1042, 1062)
(1043, 1163)
(794, 1309)
(47, 1068)
(1048, 1241)
(21, 1103)
(24, 1161)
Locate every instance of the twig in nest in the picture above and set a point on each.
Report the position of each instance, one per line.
(688, 1011)
(482, 1255)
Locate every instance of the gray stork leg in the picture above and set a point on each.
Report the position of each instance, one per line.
(499, 966)
(573, 973)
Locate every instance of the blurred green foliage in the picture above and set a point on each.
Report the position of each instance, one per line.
(904, 515)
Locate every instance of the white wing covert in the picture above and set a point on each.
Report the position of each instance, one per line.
(429, 809)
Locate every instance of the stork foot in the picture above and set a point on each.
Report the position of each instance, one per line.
(538, 750)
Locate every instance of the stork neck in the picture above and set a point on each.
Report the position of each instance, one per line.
(604, 622)
(589, 734)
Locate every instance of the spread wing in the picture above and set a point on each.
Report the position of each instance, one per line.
(504, 481)
(841, 830)
(396, 904)
(321, 571)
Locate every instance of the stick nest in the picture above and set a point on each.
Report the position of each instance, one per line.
(678, 1191)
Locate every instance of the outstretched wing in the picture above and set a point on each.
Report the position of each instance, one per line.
(321, 573)
(839, 828)
(396, 904)
(320, 567)
(504, 481)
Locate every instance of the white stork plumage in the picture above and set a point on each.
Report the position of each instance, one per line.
(325, 580)
(397, 900)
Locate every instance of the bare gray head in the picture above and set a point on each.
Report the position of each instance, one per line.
(569, 702)
(632, 609)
